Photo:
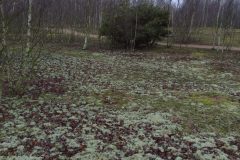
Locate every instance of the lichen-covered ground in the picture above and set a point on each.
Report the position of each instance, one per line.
(126, 106)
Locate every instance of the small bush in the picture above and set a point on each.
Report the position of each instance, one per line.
(140, 25)
(18, 69)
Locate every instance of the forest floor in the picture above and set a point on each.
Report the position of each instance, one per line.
(145, 105)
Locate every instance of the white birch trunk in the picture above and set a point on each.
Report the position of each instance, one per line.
(191, 23)
(135, 32)
(29, 26)
(85, 42)
(193, 13)
(14, 5)
(100, 14)
(85, 45)
(217, 25)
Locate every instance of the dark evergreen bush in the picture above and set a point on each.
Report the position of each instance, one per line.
(140, 25)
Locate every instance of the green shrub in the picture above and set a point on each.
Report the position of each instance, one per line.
(140, 25)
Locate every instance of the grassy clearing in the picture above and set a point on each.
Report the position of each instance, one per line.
(204, 36)
(207, 34)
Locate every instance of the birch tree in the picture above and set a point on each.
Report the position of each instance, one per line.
(29, 26)
(217, 36)
(87, 25)
(135, 30)
(193, 14)
(204, 13)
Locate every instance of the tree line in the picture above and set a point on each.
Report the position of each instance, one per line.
(62, 20)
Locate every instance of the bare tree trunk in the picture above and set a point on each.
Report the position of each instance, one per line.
(14, 5)
(85, 42)
(85, 45)
(135, 32)
(101, 13)
(204, 13)
(216, 36)
(202, 22)
(169, 22)
(29, 26)
(220, 30)
(191, 24)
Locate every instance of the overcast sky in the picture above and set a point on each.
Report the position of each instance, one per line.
(176, 1)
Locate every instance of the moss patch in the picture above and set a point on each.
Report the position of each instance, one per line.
(199, 55)
(167, 105)
(209, 99)
(202, 112)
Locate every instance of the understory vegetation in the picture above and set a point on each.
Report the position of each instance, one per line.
(155, 104)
